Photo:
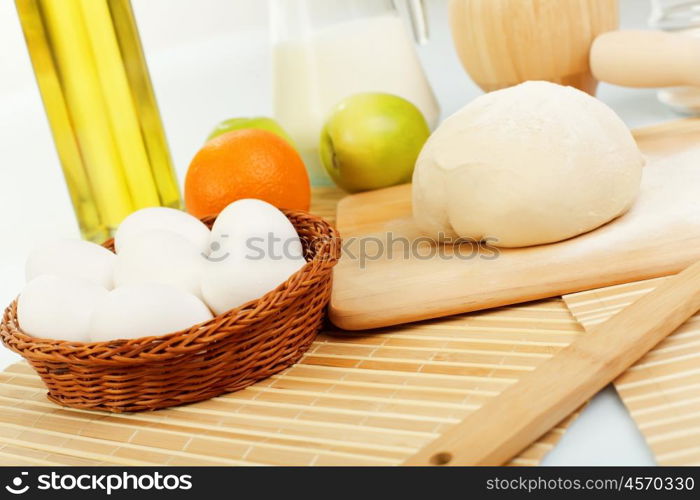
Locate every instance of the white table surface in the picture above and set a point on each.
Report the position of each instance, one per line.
(209, 61)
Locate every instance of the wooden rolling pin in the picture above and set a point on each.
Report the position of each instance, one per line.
(646, 59)
(497, 432)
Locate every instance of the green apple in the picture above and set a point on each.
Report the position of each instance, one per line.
(259, 122)
(372, 140)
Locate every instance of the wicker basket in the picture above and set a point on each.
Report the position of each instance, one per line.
(225, 354)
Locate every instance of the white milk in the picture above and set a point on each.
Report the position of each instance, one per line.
(375, 54)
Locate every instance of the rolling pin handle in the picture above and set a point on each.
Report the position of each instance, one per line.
(646, 58)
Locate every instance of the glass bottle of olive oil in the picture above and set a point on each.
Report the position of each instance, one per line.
(98, 96)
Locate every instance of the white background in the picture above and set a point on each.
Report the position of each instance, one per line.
(209, 60)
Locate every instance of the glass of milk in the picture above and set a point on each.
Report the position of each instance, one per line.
(327, 50)
(679, 16)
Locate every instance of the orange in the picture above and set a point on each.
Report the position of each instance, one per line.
(246, 163)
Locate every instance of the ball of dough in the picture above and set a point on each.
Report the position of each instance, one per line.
(527, 165)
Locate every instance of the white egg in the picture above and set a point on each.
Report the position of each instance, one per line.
(256, 229)
(145, 310)
(160, 257)
(254, 249)
(234, 281)
(72, 258)
(58, 307)
(162, 218)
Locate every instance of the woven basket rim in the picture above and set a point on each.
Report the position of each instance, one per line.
(156, 347)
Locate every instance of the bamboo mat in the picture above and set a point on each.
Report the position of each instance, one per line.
(354, 399)
(370, 398)
(662, 391)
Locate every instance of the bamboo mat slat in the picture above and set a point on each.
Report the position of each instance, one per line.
(356, 398)
(662, 391)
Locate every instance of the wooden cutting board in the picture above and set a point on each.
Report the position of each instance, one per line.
(659, 236)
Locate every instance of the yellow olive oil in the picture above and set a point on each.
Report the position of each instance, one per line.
(98, 96)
